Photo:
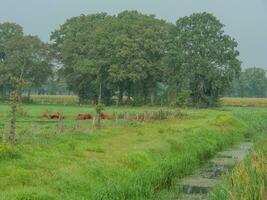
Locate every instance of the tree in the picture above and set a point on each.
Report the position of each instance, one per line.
(25, 60)
(251, 83)
(206, 55)
(8, 32)
(104, 54)
(139, 47)
(82, 45)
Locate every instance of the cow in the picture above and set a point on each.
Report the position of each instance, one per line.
(47, 116)
(53, 116)
(84, 117)
(105, 116)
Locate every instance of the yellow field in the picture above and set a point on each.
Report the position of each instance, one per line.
(256, 102)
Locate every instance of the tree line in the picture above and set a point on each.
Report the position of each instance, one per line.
(129, 58)
(252, 82)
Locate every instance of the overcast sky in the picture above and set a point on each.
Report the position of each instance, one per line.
(245, 20)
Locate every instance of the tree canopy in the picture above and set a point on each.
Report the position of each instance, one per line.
(137, 55)
(202, 57)
(128, 58)
(22, 56)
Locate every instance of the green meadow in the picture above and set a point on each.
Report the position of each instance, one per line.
(71, 160)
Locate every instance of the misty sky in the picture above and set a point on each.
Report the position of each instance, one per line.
(245, 20)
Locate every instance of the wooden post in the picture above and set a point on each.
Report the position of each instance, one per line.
(144, 116)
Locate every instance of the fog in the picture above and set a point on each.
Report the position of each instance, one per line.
(246, 21)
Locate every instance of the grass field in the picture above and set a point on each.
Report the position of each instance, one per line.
(123, 160)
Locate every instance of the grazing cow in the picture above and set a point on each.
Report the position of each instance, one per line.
(140, 118)
(105, 116)
(53, 116)
(47, 116)
(84, 117)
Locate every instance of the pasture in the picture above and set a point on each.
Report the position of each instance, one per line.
(125, 159)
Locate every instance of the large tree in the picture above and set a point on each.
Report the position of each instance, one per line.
(206, 57)
(82, 45)
(139, 47)
(104, 54)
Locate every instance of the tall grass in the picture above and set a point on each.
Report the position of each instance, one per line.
(248, 181)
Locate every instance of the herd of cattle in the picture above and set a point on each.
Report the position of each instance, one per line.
(58, 115)
(141, 117)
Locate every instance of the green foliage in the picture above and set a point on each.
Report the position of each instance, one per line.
(99, 108)
(251, 83)
(203, 58)
(23, 57)
(124, 54)
(134, 55)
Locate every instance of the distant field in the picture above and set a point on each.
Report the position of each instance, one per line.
(123, 160)
(256, 102)
(74, 100)
(55, 99)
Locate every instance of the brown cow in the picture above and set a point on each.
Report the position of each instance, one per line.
(105, 116)
(47, 116)
(53, 116)
(84, 117)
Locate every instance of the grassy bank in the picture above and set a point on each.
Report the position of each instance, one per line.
(124, 160)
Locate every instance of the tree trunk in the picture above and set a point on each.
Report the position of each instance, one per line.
(29, 93)
(12, 132)
(15, 97)
(152, 99)
(100, 93)
(120, 97)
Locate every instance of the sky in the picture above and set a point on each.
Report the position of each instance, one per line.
(245, 20)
